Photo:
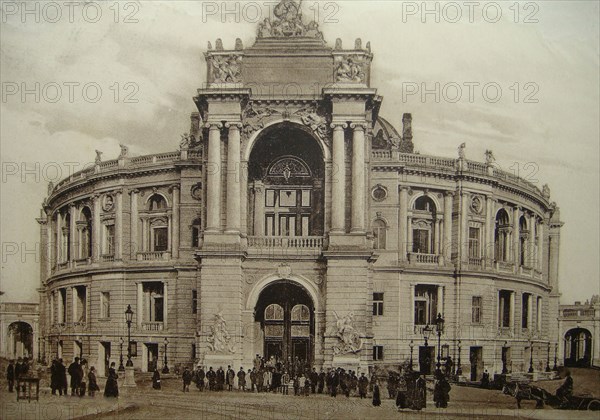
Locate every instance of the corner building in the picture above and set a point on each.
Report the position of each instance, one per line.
(296, 222)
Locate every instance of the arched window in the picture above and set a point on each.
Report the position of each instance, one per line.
(379, 234)
(502, 236)
(274, 312)
(523, 236)
(274, 321)
(423, 226)
(84, 226)
(157, 202)
(300, 321)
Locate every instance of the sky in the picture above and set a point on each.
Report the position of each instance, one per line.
(521, 79)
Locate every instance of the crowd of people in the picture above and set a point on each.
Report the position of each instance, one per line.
(79, 373)
(14, 371)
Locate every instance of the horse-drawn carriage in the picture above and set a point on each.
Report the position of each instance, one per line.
(523, 391)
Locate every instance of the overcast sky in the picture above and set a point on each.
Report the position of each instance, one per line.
(142, 66)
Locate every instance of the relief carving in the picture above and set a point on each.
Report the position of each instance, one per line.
(350, 341)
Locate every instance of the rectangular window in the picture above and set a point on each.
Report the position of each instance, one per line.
(270, 225)
(377, 304)
(109, 245)
(153, 301)
(305, 225)
(80, 304)
(525, 310)
(161, 239)
(51, 304)
(62, 306)
(305, 198)
(421, 241)
(270, 198)
(287, 198)
(476, 304)
(426, 304)
(194, 301)
(377, 352)
(539, 309)
(105, 305)
(194, 351)
(474, 242)
(195, 236)
(504, 308)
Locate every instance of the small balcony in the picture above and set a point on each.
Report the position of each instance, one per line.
(154, 256)
(306, 242)
(152, 326)
(428, 259)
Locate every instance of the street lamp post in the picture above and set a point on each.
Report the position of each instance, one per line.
(411, 345)
(166, 367)
(426, 331)
(555, 367)
(548, 359)
(128, 319)
(121, 367)
(458, 367)
(439, 324)
(530, 356)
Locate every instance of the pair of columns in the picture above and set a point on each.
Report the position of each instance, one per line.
(213, 177)
(338, 204)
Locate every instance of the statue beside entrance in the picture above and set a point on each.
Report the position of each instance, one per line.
(219, 339)
(350, 341)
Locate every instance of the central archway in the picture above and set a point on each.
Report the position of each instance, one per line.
(286, 313)
(578, 348)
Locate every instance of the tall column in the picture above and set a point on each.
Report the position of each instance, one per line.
(58, 245)
(540, 246)
(165, 305)
(140, 305)
(49, 246)
(464, 226)
(233, 177)
(447, 251)
(73, 305)
(436, 237)
(259, 209)
(403, 223)
(72, 233)
(119, 226)
(531, 255)
(213, 177)
(512, 311)
(338, 200)
(96, 228)
(490, 226)
(133, 225)
(175, 222)
(358, 177)
(144, 244)
(516, 237)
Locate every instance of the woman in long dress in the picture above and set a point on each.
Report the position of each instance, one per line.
(112, 387)
(376, 395)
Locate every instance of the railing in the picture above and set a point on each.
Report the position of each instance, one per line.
(82, 261)
(152, 326)
(308, 242)
(381, 155)
(418, 258)
(107, 258)
(477, 262)
(504, 266)
(477, 167)
(153, 256)
(578, 313)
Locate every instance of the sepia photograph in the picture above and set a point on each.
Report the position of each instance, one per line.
(299, 209)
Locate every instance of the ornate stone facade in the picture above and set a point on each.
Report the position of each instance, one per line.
(306, 222)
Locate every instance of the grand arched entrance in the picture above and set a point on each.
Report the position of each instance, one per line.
(286, 311)
(20, 339)
(578, 347)
(286, 184)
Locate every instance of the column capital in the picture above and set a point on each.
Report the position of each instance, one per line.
(174, 187)
(449, 193)
(338, 125)
(213, 125)
(403, 188)
(133, 191)
(234, 125)
(359, 126)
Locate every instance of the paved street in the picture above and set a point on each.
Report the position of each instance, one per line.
(144, 403)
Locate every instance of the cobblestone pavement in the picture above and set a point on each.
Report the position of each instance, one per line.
(145, 403)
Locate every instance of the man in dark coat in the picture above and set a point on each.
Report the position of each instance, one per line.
(55, 383)
(252, 374)
(156, 379)
(18, 368)
(10, 375)
(441, 392)
(321, 381)
(220, 379)
(335, 381)
(401, 396)
(200, 375)
(211, 375)
(363, 384)
(241, 375)
(230, 378)
(565, 391)
(314, 379)
(187, 379)
(76, 373)
(419, 400)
